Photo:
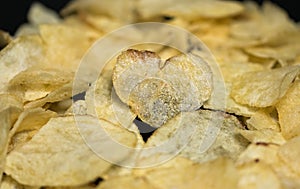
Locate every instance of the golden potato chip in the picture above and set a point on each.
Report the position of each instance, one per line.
(289, 111)
(5, 123)
(39, 14)
(62, 93)
(228, 142)
(262, 120)
(63, 51)
(5, 39)
(9, 183)
(22, 53)
(255, 175)
(132, 67)
(263, 136)
(289, 153)
(39, 161)
(10, 109)
(122, 10)
(260, 152)
(102, 102)
(33, 84)
(190, 10)
(196, 175)
(32, 119)
(154, 101)
(283, 54)
(13, 103)
(189, 75)
(264, 21)
(263, 88)
(78, 107)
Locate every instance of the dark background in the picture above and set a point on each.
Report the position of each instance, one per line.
(13, 12)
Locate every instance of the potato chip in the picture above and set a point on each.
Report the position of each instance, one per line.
(228, 142)
(30, 164)
(29, 50)
(119, 9)
(263, 88)
(154, 101)
(231, 106)
(257, 175)
(63, 51)
(5, 39)
(13, 103)
(10, 109)
(190, 10)
(199, 175)
(289, 153)
(263, 120)
(189, 75)
(102, 101)
(78, 107)
(33, 84)
(263, 136)
(289, 112)
(32, 119)
(62, 93)
(9, 183)
(5, 123)
(132, 67)
(264, 21)
(39, 14)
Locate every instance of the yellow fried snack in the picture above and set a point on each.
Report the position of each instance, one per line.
(263, 88)
(39, 161)
(288, 112)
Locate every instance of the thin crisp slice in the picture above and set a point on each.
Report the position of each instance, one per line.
(191, 78)
(102, 102)
(289, 112)
(189, 75)
(39, 162)
(216, 131)
(40, 14)
(194, 9)
(36, 83)
(263, 136)
(5, 39)
(154, 101)
(10, 110)
(132, 67)
(22, 53)
(263, 88)
(196, 175)
(289, 154)
(262, 119)
(255, 175)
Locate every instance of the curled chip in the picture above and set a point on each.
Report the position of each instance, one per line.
(154, 101)
(228, 142)
(102, 102)
(132, 67)
(289, 112)
(33, 84)
(263, 88)
(60, 139)
(289, 153)
(189, 76)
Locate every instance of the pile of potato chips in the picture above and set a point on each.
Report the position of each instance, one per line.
(42, 122)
